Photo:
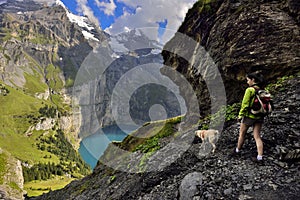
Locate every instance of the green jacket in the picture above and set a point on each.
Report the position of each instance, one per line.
(247, 103)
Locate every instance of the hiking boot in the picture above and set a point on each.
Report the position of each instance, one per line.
(235, 154)
(259, 162)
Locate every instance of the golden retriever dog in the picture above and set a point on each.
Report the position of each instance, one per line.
(208, 135)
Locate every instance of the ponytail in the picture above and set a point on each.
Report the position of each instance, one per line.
(258, 78)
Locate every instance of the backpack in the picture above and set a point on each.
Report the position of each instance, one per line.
(262, 104)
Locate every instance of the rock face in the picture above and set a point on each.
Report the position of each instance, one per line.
(240, 36)
(95, 95)
(13, 176)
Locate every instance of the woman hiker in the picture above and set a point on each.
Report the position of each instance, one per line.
(247, 119)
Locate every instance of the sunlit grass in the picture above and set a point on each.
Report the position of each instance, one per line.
(2, 166)
(24, 148)
(34, 83)
(36, 188)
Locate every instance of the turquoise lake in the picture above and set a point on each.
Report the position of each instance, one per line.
(92, 147)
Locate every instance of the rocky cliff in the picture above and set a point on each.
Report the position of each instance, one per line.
(42, 48)
(12, 181)
(240, 37)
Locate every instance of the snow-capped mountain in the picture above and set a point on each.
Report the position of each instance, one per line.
(133, 41)
(25, 7)
(88, 31)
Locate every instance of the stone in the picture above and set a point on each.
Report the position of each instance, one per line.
(244, 197)
(228, 191)
(247, 187)
(188, 187)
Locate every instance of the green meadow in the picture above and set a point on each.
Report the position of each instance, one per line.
(36, 188)
(18, 112)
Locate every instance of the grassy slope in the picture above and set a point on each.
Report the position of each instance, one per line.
(3, 161)
(15, 120)
(33, 83)
(14, 108)
(36, 188)
(146, 139)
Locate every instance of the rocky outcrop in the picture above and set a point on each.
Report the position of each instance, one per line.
(68, 124)
(44, 95)
(240, 37)
(12, 186)
(45, 124)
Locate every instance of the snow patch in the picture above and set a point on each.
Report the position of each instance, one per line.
(88, 35)
(156, 51)
(117, 46)
(138, 32)
(80, 20)
(114, 55)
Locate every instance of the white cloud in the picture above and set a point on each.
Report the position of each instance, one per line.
(107, 8)
(2, 1)
(86, 10)
(148, 13)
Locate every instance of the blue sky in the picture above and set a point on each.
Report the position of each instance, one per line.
(116, 16)
(105, 15)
